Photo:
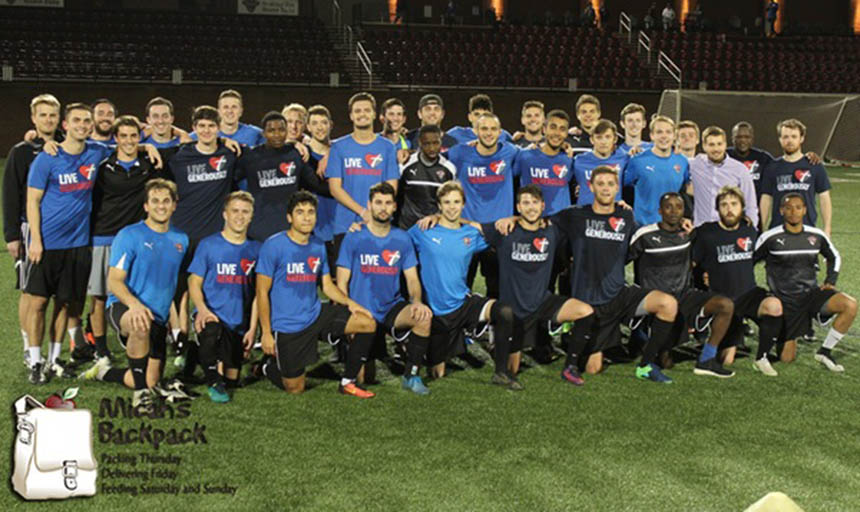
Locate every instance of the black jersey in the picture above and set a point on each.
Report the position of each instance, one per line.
(15, 184)
(662, 259)
(580, 143)
(525, 261)
(523, 142)
(727, 257)
(419, 182)
(756, 160)
(781, 177)
(203, 182)
(448, 141)
(791, 260)
(599, 245)
(119, 194)
(273, 176)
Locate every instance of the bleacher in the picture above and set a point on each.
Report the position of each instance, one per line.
(147, 46)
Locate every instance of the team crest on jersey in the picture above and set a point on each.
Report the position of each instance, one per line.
(560, 170)
(744, 243)
(247, 265)
(179, 247)
(801, 175)
(314, 263)
(616, 223)
(677, 168)
(498, 167)
(541, 244)
(87, 171)
(373, 160)
(440, 174)
(467, 241)
(217, 162)
(752, 165)
(287, 168)
(391, 257)
(811, 239)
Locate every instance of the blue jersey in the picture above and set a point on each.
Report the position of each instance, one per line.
(151, 261)
(160, 145)
(375, 265)
(324, 229)
(488, 181)
(586, 162)
(644, 145)
(652, 176)
(67, 182)
(359, 166)
(246, 134)
(445, 255)
(464, 134)
(294, 270)
(228, 276)
(551, 173)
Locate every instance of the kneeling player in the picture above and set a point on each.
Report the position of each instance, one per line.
(662, 253)
(791, 252)
(370, 264)
(292, 317)
(221, 284)
(444, 252)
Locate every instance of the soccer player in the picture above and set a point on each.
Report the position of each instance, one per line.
(633, 122)
(588, 114)
(144, 265)
(104, 115)
(274, 171)
(791, 253)
(548, 166)
(356, 162)
(445, 252)
(45, 115)
(487, 172)
(793, 172)
(118, 201)
(662, 253)
(714, 169)
(160, 118)
(431, 110)
(532, 117)
(656, 171)
(369, 268)
(221, 284)
(421, 176)
(724, 250)
(753, 158)
(526, 257)
(230, 109)
(392, 115)
(687, 139)
(604, 153)
(319, 127)
(292, 318)
(479, 106)
(297, 119)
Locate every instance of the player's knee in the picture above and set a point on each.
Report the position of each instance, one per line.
(724, 305)
(37, 303)
(771, 306)
(789, 352)
(850, 304)
(501, 313)
(667, 305)
(294, 388)
(365, 324)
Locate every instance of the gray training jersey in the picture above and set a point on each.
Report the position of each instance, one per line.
(791, 260)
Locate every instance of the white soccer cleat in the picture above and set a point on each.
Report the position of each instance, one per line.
(829, 362)
(763, 365)
(97, 370)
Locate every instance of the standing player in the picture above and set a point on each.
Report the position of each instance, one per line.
(604, 153)
(656, 171)
(104, 115)
(297, 119)
(687, 139)
(793, 172)
(319, 127)
(662, 253)
(392, 115)
(221, 284)
(633, 122)
(487, 170)
(431, 111)
(369, 268)
(479, 106)
(791, 252)
(753, 158)
(548, 166)
(421, 176)
(724, 250)
(445, 252)
(292, 318)
(160, 118)
(532, 117)
(145, 260)
(588, 114)
(230, 109)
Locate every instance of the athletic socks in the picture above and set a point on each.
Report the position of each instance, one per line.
(768, 331)
(578, 339)
(502, 318)
(175, 333)
(116, 375)
(708, 352)
(661, 330)
(54, 351)
(76, 337)
(416, 349)
(101, 346)
(35, 355)
(138, 371)
(26, 339)
(356, 356)
(833, 337)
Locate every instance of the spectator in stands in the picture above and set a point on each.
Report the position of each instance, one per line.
(450, 13)
(650, 20)
(772, 12)
(400, 11)
(588, 16)
(668, 16)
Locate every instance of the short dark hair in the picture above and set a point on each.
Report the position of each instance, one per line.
(602, 169)
(300, 197)
(161, 184)
(391, 102)
(158, 100)
(480, 102)
(383, 188)
(792, 195)
(670, 195)
(272, 115)
(587, 99)
(532, 104)
(429, 128)
(77, 106)
(205, 112)
(361, 96)
(230, 93)
(319, 110)
(742, 124)
(603, 126)
(730, 190)
(99, 101)
(448, 187)
(125, 121)
(532, 190)
(558, 114)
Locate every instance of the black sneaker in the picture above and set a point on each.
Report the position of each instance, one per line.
(36, 375)
(748, 329)
(713, 368)
(83, 353)
(56, 369)
(507, 381)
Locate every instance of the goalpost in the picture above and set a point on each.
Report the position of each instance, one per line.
(832, 120)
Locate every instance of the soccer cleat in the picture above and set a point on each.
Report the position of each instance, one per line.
(559, 329)
(748, 330)
(36, 375)
(355, 390)
(142, 401)
(507, 381)
(218, 393)
(829, 362)
(713, 368)
(763, 365)
(55, 369)
(653, 373)
(96, 371)
(83, 353)
(174, 390)
(572, 375)
(414, 384)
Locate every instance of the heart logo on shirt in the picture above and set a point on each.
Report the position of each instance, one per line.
(246, 265)
(498, 167)
(677, 168)
(559, 170)
(467, 241)
(744, 243)
(391, 257)
(87, 171)
(752, 165)
(216, 162)
(617, 223)
(286, 168)
(179, 247)
(801, 175)
(314, 263)
(540, 244)
(373, 160)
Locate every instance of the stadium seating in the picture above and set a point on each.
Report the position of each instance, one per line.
(135, 45)
(505, 56)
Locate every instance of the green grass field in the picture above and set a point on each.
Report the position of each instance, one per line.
(616, 444)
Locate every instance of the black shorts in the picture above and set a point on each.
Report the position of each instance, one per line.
(385, 328)
(157, 331)
(690, 315)
(799, 313)
(611, 315)
(525, 329)
(225, 342)
(182, 280)
(446, 332)
(63, 273)
(294, 351)
(332, 251)
(746, 306)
